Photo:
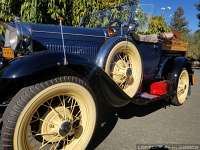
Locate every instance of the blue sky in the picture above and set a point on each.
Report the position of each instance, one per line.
(188, 5)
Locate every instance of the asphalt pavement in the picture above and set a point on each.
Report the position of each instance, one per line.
(156, 123)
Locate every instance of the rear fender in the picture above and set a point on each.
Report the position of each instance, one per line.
(178, 64)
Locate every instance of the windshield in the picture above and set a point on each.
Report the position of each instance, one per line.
(123, 13)
(143, 15)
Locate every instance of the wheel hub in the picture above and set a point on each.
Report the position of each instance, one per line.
(65, 128)
(129, 72)
(119, 71)
(57, 124)
(122, 73)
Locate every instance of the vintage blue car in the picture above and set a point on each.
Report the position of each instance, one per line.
(56, 81)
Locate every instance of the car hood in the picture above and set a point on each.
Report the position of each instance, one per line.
(67, 30)
(80, 41)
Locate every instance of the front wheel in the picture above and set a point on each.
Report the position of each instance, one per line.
(56, 114)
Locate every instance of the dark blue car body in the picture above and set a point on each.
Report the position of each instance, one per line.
(86, 51)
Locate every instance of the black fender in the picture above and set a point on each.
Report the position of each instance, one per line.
(115, 95)
(178, 63)
(42, 66)
(110, 90)
(31, 64)
(171, 64)
(106, 48)
(32, 69)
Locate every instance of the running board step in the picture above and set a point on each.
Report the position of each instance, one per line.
(148, 96)
(145, 98)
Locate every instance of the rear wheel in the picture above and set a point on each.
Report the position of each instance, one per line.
(57, 114)
(124, 66)
(182, 89)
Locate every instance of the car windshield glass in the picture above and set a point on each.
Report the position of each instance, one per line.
(103, 18)
(143, 15)
(125, 13)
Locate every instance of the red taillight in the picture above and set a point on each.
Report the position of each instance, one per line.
(159, 88)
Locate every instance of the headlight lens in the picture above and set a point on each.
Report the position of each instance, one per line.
(11, 39)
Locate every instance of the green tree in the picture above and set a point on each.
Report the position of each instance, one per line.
(48, 11)
(194, 47)
(142, 19)
(157, 25)
(179, 22)
(85, 7)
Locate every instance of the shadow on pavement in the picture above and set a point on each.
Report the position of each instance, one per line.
(126, 112)
(133, 110)
(104, 130)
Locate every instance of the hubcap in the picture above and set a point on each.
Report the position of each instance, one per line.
(129, 72)
(122, 72)
(65, 128)
(56, 121)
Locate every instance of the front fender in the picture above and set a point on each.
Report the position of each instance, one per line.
(29, 65)
(111, 92)
(36, 68)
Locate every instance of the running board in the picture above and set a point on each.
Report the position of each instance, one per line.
(148, 96)
(145, 98)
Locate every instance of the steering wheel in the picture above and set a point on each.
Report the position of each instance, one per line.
(115, 21)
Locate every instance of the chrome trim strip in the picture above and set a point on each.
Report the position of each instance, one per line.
(67, 33)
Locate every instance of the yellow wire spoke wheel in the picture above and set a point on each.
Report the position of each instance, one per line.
(124, 66)
(60, 116)
(183, 86)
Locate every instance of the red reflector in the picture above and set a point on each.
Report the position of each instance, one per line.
(159, 88)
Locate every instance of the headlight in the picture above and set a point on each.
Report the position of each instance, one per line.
(18, 36)
(11, 38)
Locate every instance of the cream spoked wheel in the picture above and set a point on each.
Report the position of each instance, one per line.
(124, 66)
(183, 86)
(62, 116)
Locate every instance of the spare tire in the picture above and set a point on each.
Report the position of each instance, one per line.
(124, 66)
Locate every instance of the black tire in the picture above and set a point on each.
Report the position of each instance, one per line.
(21, 105)
(182, 91)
